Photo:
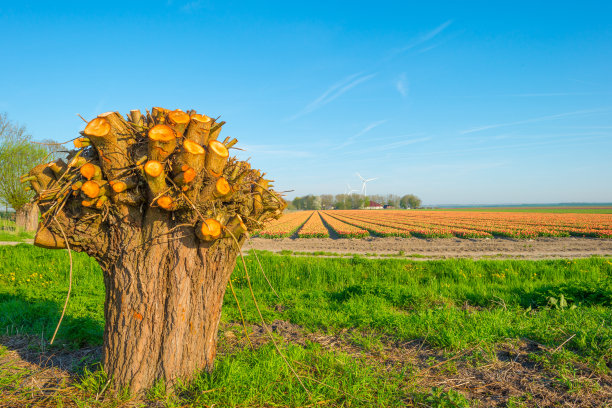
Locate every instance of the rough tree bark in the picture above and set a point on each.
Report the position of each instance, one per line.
(157, 201)
(26, 217)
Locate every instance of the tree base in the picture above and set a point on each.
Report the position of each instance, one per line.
(26, 218)
(162, 310)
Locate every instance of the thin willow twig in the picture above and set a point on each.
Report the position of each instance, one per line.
(246, 333)
(261, 267)
(69, 280)
(263, 322)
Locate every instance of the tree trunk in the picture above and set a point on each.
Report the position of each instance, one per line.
(26, 217)
(163, 209)
(162, 310)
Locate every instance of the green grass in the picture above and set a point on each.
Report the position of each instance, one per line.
(261, 378)
(452, 304)
(407, 300)
(10, 233)
(10, 236)
(399, 254)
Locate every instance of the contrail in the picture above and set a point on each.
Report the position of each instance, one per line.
(533, 120)
(362, 132)
(333, 92)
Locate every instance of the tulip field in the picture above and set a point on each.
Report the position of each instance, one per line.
(313, 228)
(437, 224)
(343, 229)
(286, 226)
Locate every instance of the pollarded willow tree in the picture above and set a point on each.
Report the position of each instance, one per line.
(161, 206)
(17, 154)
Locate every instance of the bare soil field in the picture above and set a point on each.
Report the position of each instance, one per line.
(438, 248)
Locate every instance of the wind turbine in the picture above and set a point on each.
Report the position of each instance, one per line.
(347, 191)
(364, 182)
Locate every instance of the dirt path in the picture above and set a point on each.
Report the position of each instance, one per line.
(541, 248)
(27, 241)
(439, 248)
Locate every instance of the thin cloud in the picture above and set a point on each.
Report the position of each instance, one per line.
(461, 167)
(515, 137)
(401, 85)
(431, 47)
(533, 120)
(507, 147)
(395, 145)
(334, 92)
(351, 81)
(588, 127)
(191, 6)
(286, 153)
(530, 95)
(270, 150)
(388, 146)
(424, 37)
(395, 138)
(584, 82)
(362, 132)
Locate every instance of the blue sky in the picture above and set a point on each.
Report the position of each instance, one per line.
(457, 102)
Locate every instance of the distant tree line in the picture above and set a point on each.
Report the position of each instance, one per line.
(352, 201)
(18, 154)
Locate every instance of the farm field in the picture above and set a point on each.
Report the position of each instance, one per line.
(561, 209)
(359, 332)
(439, 224)
(439, 248)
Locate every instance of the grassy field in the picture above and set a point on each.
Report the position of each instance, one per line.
(10, 232)
(15, 236)
(359, 332)
(604, 209)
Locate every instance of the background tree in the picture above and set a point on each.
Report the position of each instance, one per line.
(358, 201)
(410, 201)
(157, 201)
(352, 201)
(327, 201)
(340, 201)
(309, 202)
(414, 201)
(17, 154)
(393, 199)
(298, 203)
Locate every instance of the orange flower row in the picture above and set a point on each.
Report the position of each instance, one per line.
(343, 229)
(313, 228)
(286, 225)
(481, 224)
